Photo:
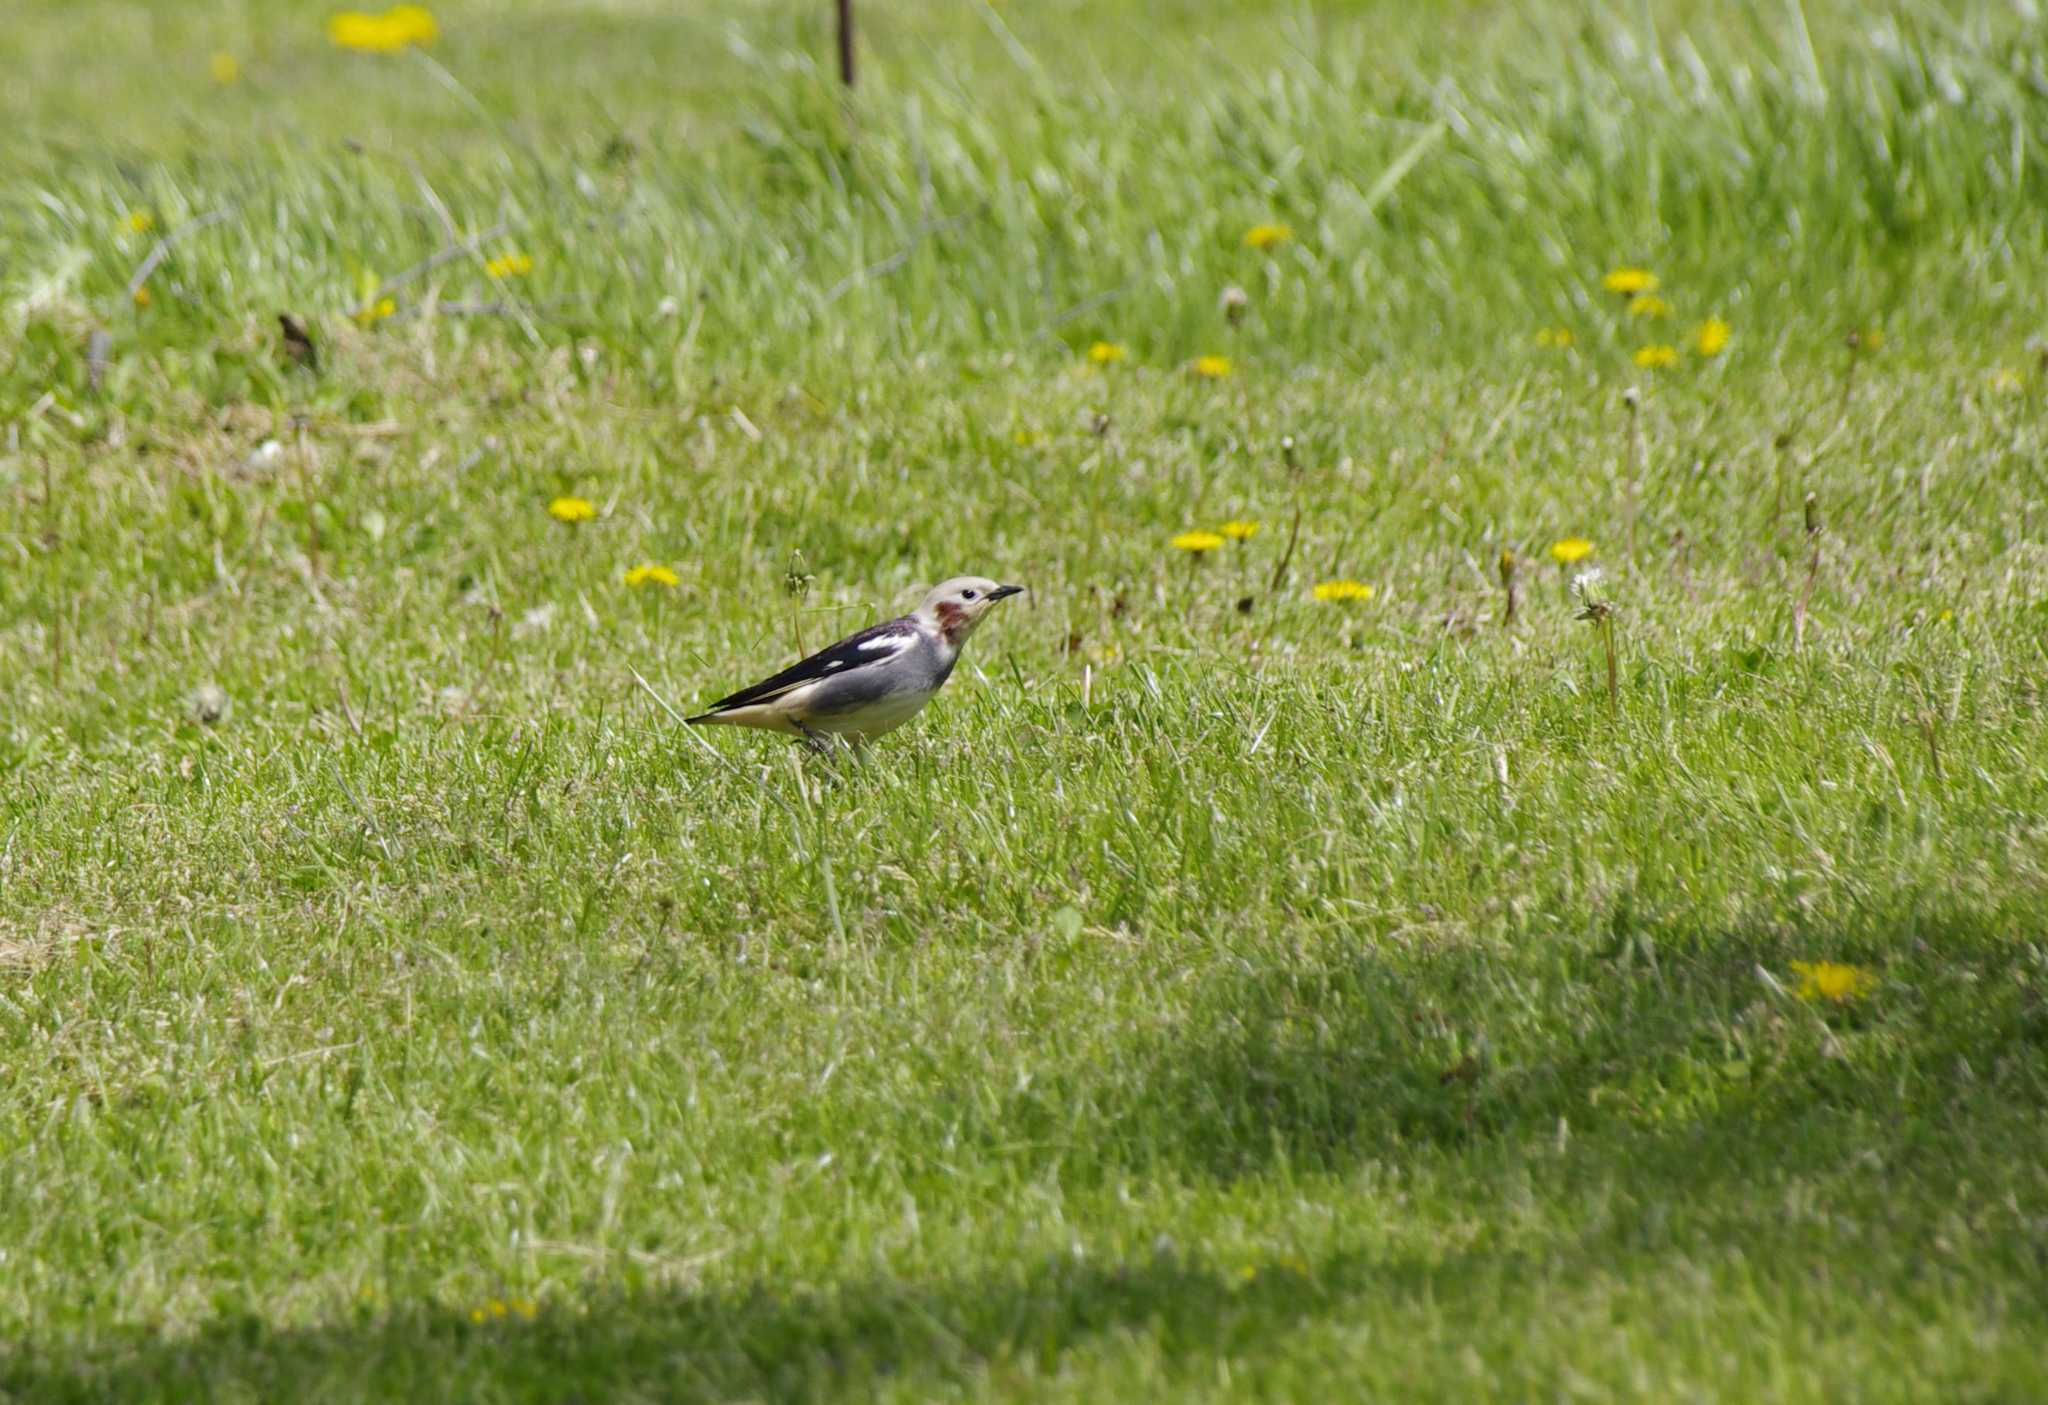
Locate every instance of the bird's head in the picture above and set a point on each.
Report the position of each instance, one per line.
(956, 606)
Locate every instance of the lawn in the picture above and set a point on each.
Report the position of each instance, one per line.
(1599, 954)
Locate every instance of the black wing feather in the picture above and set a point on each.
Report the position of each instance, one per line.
(827, 662)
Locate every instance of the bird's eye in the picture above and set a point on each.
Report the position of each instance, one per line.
(966, 595)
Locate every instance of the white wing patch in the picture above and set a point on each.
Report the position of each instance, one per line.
(894, 643)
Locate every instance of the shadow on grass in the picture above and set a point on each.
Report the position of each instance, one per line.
(1691, 1081)
(1018, 1323)
(1314, 1066)
(755, 1343)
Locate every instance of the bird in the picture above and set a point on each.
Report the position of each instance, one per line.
(871, 682)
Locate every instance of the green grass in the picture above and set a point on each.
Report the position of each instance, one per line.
(1218, 993)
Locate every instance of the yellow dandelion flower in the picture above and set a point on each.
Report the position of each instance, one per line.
(139, 222)
(352, 29)
(2005, 380)
(376, 311)
(1648, 305)
(1946, 617)
(223, 67)
(1265, 236)
(1630, 281)
(1197, 542)
(525, 1308)
(1656, 356)
(1212, 367)
(416, 20)
(509, 265)
(1025, 438)
(1334, 591)
(1711, 337)
(384, 33)
(142, 297)
(1102, 353)
(1554, 336)
(1833, 981)
(1241, 529)
(572, 509)
(648, 573)
(1872, 339)
(1570, 551)
(476, 1315)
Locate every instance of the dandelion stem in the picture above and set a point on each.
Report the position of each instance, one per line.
(796, 581)
(1600, 615)
(1292, 461)
(1633, 401)
(1287, 556)
(1613, 682)
(1799, 606)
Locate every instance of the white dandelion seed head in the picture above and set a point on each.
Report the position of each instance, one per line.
(208, 703)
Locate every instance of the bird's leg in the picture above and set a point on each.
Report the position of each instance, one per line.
(824, 746)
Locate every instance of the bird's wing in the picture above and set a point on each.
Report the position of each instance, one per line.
(871, 646)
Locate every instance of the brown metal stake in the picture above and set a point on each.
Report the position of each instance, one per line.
(846, 42)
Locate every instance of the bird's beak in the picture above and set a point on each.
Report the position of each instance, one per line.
(1004, 590)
